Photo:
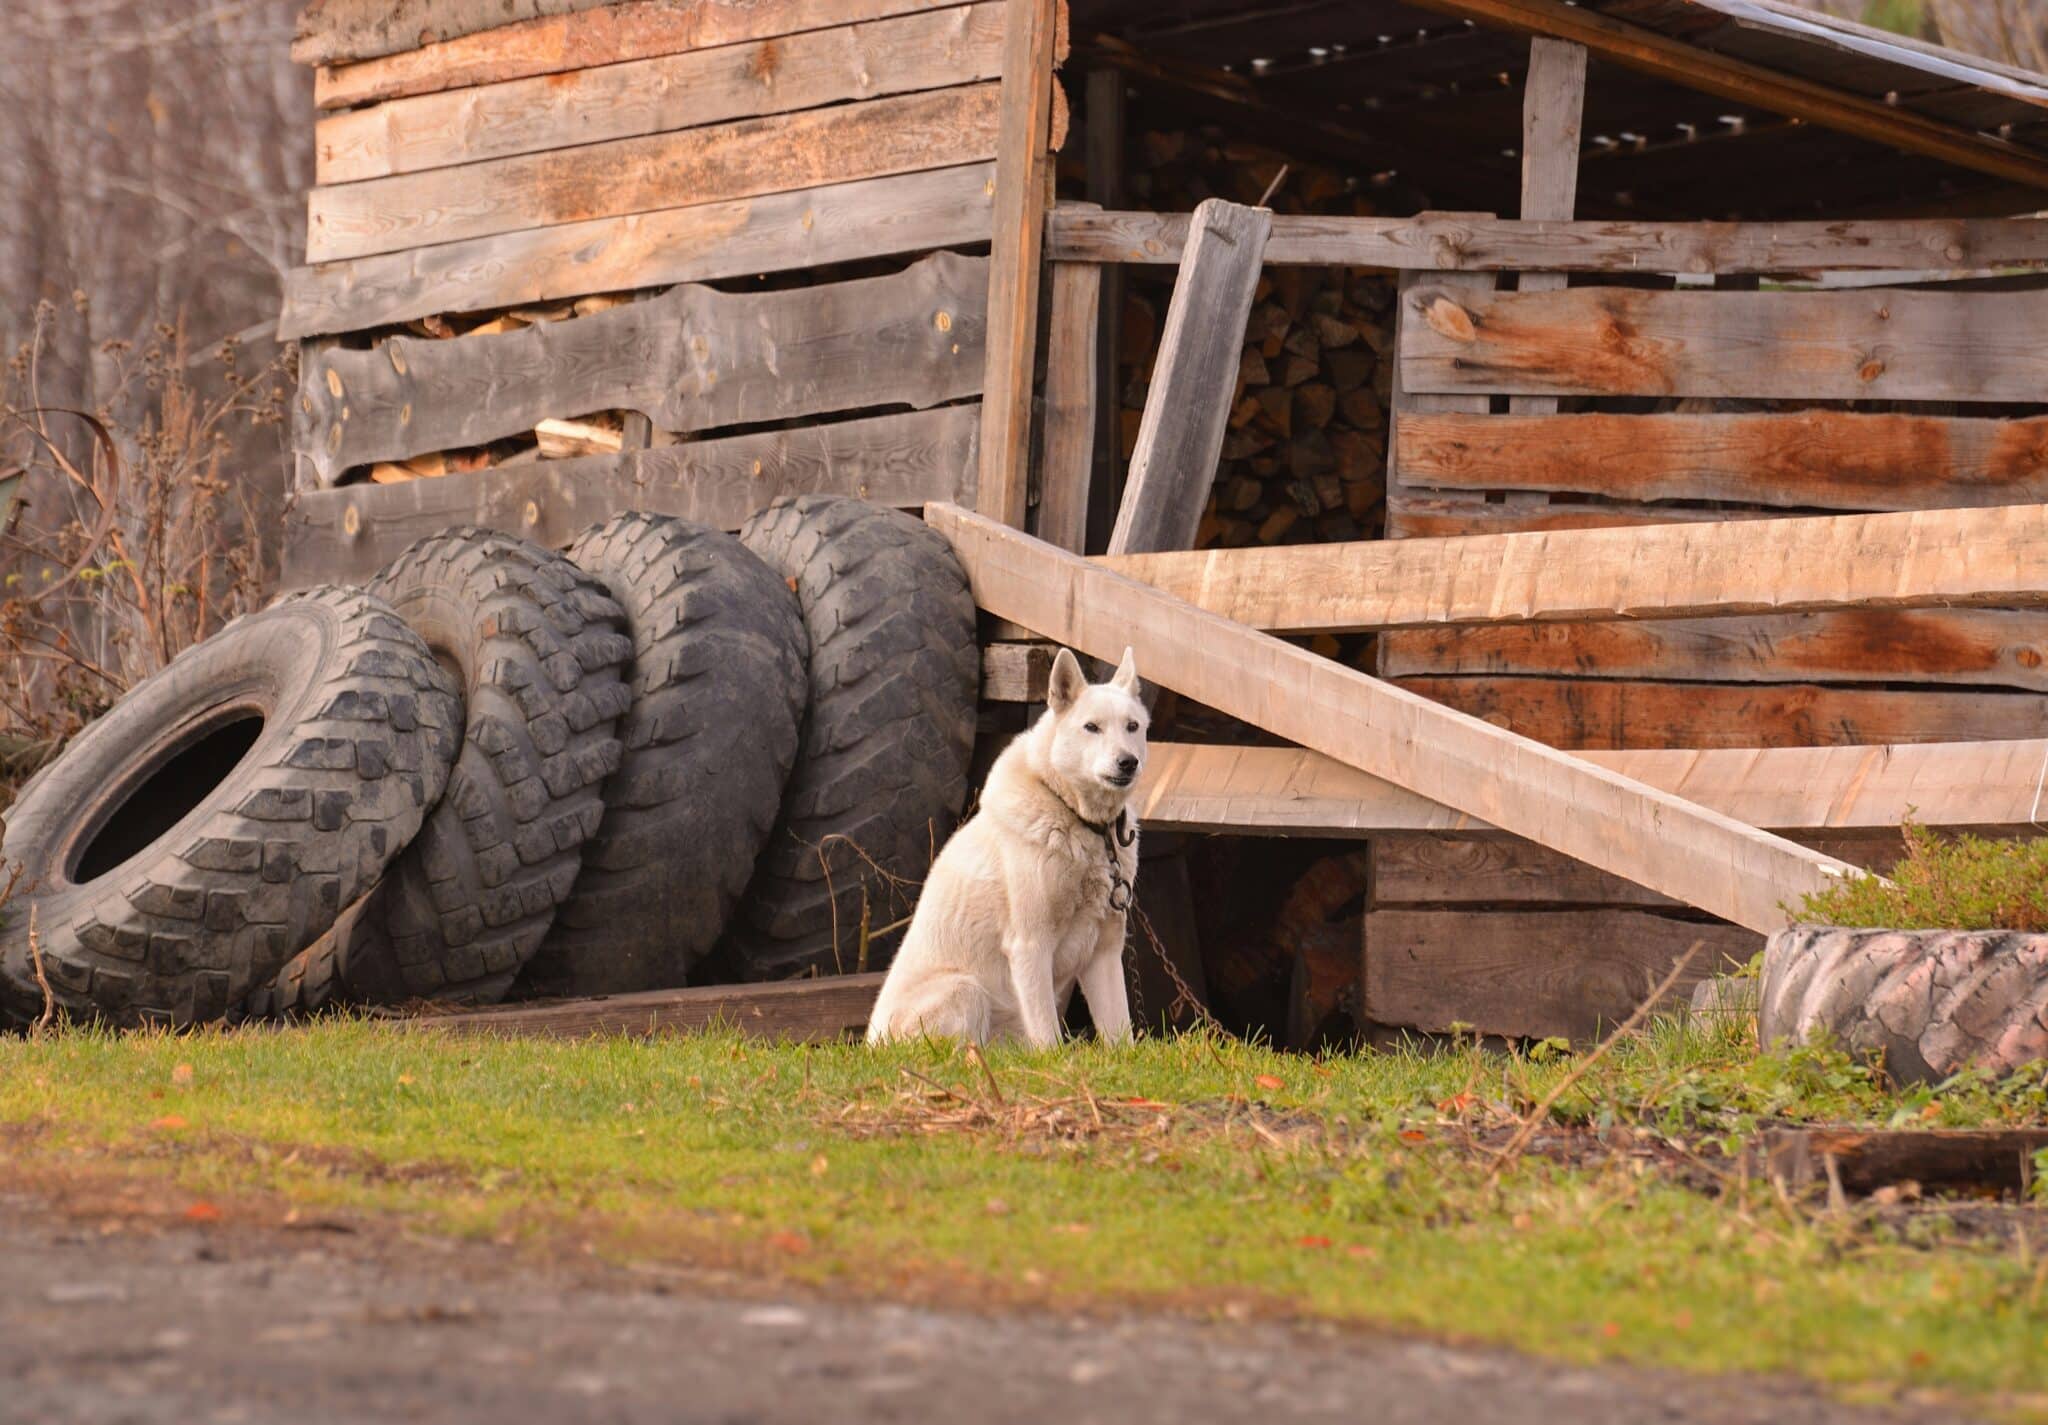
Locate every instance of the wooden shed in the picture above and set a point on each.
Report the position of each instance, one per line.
(1531, 267)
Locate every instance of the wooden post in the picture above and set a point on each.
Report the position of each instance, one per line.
(1067, 453)
(1553, 106)
(1180, 435)
(1105, 155)
(1023, 192)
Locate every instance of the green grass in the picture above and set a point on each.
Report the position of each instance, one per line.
(1944, 883)
(1242, 1181)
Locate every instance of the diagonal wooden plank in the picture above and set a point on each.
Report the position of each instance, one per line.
(1657, 840)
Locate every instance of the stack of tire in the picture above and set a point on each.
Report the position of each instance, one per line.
(667, 756)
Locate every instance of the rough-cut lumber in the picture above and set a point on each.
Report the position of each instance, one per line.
(1436, 514)
(1577, 713)
(1667, 58)
(1919, 559)
(904, 460)
(691, 359)
(1016, 672)
(559, 42)
(1698, 856)
(815, 227)
(835, 1007)
(1067, 450)
(934, 50)
(716, 163)
(1938, 1159)
(1187, 404)
(1446, 242)
(1981, 647)
(1869, 344)
(1533, 974)
(1986, 787)
(1026, 132)
(333, 31)
(1807, 459)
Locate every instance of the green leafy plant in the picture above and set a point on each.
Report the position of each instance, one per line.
(1944, 883)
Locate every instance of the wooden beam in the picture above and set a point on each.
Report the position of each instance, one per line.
(1654, 839)
(779, 232)
(1677, 62)
(691, 359)
(1442, 243)
(1066, 461)
(1553, 109)
(804, 1011)
(328, 31)
(1187, 405)
(1612, 341)
(1919, 559)
(1954, 1160)
(934, 50)
(1023, 192)
(1985, 787)
(903, 459)
(1105, 147)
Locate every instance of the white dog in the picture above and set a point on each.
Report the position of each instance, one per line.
(1028, 899)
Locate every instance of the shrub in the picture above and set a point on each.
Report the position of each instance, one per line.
(1944, 883)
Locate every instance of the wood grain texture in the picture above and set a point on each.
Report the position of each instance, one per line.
(1871, 344)
(1979, 647)
(1683, 850)
(780, 232)
(1027, 131)
(783, 152)
(1986, 787)
(1920, 559)
(1438, 242)
(1066, 459)
(585, 37)
(1187, 403)
(1016, 672)
(1954, 1160)
(328, 31)
(1580, 713)
(1809, 459)
(902, 460)
(691, 359)
(1533, 974)
(1414, 513)
(1553, 108)
(802, 1011)
(934, 50)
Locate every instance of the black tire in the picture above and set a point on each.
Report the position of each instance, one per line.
(539, 649)
(895, 672)
(218, 819)
(718, 693)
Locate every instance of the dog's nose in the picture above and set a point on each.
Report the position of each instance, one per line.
(1127, 764)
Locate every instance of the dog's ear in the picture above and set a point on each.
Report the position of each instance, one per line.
(1126, 673)
(1066, 683)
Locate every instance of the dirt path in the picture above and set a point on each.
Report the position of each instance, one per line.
(226, 1324)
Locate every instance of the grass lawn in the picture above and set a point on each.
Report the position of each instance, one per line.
(1195, 1174)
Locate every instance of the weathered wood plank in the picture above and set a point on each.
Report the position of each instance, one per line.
(1553, 109)
(691, 359)
(1655, 839)
(1987, 787)
(581, 36)
(1874, 344)
(935, 50)
(1980, 647)
(1937, 1159)
(780, 232)
(1580, 713)
(902, 460)
(716, 163)
(1187, 404)
(1919, 559)
(805, 1011)
(1426, 514)
(1809, 459)
(1438, 242)
(1066, 460)
(1016, 672)
(1533, 974)
(1030, 103)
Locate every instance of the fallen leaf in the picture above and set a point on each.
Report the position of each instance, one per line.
(168, 1121)
(1610, 1329)
(820, 1165)
(1413, 1135)
(1521, 1222)
(1364, 1254)
(1682, 1321)
(1457, 1103)
(202, 1212)
(1137, 1102)
(1270, 1081)
(182, 1074)
(1074, 1229)
(404, 1079)
(793, 1243)
(1313, 1241)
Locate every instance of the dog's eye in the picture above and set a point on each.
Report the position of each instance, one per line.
(1090, 727)
(1130, 727)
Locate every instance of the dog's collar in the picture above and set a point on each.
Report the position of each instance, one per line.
(1114, 834)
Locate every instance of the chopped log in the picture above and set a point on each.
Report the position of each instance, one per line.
(566, 440)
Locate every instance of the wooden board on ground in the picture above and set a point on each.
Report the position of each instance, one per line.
(691, 359)
(1807, 459)
(815, 227)
(1980, 647)
(1878, 344)
(1936, 1159)
(1578, 713)
(1918, 559)
(808, 1011)
(1655, 839)
(1532, 974)
(934, 50)
(904, 460)
(1985, 787)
